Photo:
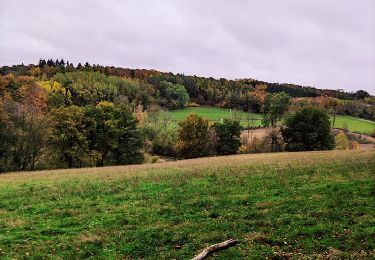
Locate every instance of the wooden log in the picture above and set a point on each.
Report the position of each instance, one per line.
(216, 247)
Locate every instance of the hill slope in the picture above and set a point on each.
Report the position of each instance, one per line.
(307, 204)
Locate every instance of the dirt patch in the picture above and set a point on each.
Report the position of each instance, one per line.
(367, 146)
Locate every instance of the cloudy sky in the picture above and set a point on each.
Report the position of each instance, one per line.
(321, 43)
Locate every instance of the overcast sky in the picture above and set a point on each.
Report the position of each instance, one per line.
(321, 43)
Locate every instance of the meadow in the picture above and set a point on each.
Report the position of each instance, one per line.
(282, 205)
(355, 124)
(216, 114)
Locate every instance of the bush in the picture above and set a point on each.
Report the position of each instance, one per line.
(255, 145)
(165, 142)
(341, 141)
(354, 145)
(308, 129)
(273, 141)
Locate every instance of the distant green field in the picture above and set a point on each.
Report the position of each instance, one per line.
(355, 124)
(216, 114)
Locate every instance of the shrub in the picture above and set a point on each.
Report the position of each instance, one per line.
(165, 142)
(154, 159)
(341, 141)
(308, 129)
(255, 145)
(354, 145)
(345, 127)
(273, 141)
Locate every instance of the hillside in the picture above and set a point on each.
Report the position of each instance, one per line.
(301, 205)
(57, 115)
(51, 67)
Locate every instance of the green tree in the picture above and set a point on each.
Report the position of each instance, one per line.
(308, 129)
(129, 149)
(6, 137)
(275, 107)
(193, 137)
(228, 133)
(361, 94)
(30, 132)
(176, 93)
(68, 137)
(113, 133)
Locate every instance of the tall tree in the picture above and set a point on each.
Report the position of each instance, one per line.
(113, 132)
(228, 133)
(6, 137)
(68, 136)
(193, 137)
(275, 107)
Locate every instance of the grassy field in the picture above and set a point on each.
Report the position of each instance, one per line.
(355, 124)
(215, 114)
(299, 205)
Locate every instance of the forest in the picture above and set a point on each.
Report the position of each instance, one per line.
(57, 115)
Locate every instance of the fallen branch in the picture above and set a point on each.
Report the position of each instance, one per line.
(214, 248)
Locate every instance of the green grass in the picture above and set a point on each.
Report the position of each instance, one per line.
(215, 114)
(304, 205)
(355, 124)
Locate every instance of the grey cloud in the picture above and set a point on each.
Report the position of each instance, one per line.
(321, 43)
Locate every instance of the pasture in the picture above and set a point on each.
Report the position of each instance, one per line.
(216, 114)
(300, 205)
(355, 124)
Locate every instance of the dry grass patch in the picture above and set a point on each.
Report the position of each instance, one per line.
(192, 166)
(13, 222)
(87, 237)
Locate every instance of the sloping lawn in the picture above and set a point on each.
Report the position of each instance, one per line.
(300, 205)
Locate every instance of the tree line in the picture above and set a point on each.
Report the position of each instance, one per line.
(55, 115)
(242, 94)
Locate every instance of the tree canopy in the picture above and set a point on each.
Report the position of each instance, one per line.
(275, 107)
(308, 129)
(228, 133)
